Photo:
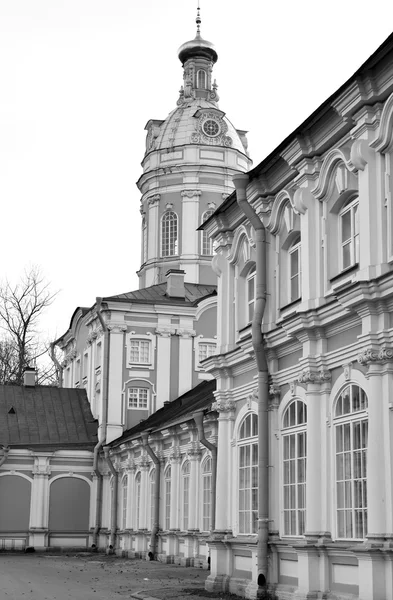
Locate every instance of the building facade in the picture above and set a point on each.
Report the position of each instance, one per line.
(324, 199)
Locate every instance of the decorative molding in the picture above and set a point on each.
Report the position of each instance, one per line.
(292, 387)
(312, 376)
(332, 159)
(116, 327)
(186, 333)
(368, 356)
(383, 140)
(347, 370)
(165, 331)
(153, 200)
(190, 193)
(224, 406)
(169, 206)
(360, 154)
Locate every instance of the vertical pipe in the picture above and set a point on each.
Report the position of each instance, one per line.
(240, 181)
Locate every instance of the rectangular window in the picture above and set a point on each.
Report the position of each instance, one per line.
(351, 479)
(140, 352)
(206, 349)
(250, 296)
(349, 221)
(294, 462)
(295, 273)
(248, 488)
(138, 398)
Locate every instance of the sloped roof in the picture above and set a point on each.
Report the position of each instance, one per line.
(156, 294)
(46, 416)
(199, 398)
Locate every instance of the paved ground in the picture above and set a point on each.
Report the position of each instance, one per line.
(98, 577)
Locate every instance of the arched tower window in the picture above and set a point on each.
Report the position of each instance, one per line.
(169, 233)
(206, 242)
(201, 79)
(294, 432)
(351, 433)
(248, 474)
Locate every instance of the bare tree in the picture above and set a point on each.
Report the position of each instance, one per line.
(21, 307)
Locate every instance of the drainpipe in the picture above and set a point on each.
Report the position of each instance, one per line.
(112, 542)
(198, 418)
(6, 450)
(58, 366)
(105, 388)
(240, 181)
(156, 523)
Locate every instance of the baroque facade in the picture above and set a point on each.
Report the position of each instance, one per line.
(306, 241)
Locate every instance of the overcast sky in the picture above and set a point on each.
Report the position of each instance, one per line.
(81, 78)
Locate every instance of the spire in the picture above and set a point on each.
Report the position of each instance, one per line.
(198, 20)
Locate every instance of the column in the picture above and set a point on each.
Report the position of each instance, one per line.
(164, 332)
(144, 465)
(116, 348)
(186, 368)
(189, 240)
(130, 470)
(194, 456)
(274, 457)
(175, 459)
(225, 477)
(39, 517)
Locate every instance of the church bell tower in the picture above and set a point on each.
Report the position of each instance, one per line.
(189, 162)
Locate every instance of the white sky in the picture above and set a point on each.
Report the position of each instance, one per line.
(81, 78)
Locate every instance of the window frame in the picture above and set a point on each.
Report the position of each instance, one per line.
(169, 235)
(151, 338)
(346, 421)
(353, 241)
(206, 489)
(199, 73)
(206, 240)
(250, 301)
(296, 247)
(200, 341)
(297, 463)
(139, 406)
(250, 512)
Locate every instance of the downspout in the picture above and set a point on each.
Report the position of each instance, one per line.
(240, 181)
(198, 418)
(98, 446)
(6, 450)
(112, 541)
(56, 363)
(156, 523)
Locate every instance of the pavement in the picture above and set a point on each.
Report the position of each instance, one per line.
(92, 576)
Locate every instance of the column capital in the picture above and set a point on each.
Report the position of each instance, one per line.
(190, 193)
(375, 355)
(153, 200)
(224, 406)
(313, 376)
(115, 327)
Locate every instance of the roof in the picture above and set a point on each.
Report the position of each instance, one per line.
(46, 416)
(199, 398)
(156, 294)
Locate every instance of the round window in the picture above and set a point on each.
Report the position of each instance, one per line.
(211, 128)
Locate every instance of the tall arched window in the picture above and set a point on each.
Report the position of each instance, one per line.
(206, 241)
(144, 240)
(168, 475)
(294, 432)
(351, 432)
(186, 470)
(137, 500)
(152, 488)
(201, 79)
(248, 474)
(169, 233)
(124, 489)
(207, 493)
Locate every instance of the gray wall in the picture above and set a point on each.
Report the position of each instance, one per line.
(69, 503)
(15, 494)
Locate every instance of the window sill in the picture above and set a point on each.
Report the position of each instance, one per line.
(291, 304)
(344, 272)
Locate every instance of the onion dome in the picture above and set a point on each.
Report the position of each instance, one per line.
(198, 47)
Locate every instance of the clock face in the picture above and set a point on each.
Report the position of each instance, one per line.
(211, 128)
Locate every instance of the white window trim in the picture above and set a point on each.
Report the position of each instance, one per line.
(297, 247)
(197, 81)
(237, 444)
(138, 407)
(206, 215)
(347, 418)
(149, 337)
(251, 275)
(203, 475)
(199, 339)
(349, 207)
(176, 253)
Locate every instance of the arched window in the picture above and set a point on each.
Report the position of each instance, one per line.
(206, 241)
(248, 474)
(144, 240)
(169, 246)
(201, 79)
(250, 294)
(137, 500)
(152, 488)
(124, 488)
(207, 492)
(294, 432)
(186, 492)
(349, 233)
(295, 271)
(168, 475)
(351, 432)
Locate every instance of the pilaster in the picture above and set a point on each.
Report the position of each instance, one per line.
(189, 242)
(115, 417)
(225, 484)
(164, 332)
(194, 455)
(174, 517)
